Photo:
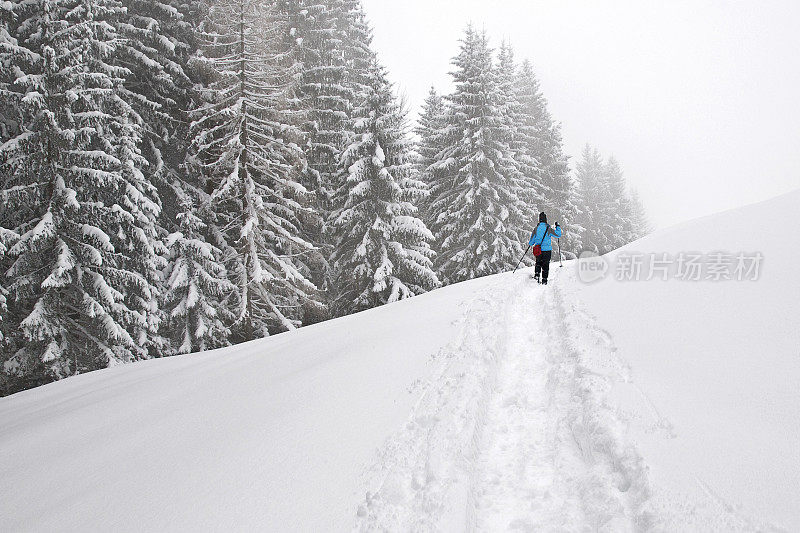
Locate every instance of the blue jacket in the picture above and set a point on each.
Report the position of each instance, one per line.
(538, 233)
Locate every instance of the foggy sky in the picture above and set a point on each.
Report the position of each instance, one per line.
(699, 101)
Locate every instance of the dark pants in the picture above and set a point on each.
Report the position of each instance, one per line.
(543, 264)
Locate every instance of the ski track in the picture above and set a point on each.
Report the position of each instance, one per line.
(515, 431)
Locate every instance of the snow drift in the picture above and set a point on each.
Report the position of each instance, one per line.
(492, 404)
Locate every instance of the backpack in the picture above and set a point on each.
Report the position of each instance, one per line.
(537, 250)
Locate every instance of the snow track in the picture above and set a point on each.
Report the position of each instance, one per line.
(514, 432)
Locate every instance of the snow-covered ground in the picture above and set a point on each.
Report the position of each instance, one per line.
(719, 363)
(494, 404)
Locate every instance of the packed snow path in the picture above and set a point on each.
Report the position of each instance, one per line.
(551, 458)
(515, 432)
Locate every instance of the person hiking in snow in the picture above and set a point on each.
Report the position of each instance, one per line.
(542, 236)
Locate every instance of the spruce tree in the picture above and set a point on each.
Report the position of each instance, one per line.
(325, 88)
(157, 39)
(475, 210)
(7, 324)
(82, 267)
(592, 201)
(332, 43)
(246, 147)
(522, 140)
(9, 127)
(618, 208)
(196, 288)
(382, 251)
(8, 44)
(430, 130)
(641, 224)
(7, 239)
(157, 42)
(540, 137)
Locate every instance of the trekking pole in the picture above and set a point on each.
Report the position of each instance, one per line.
(523, 257)
(561, 263)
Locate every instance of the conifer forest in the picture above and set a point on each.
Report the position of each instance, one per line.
(183, 175)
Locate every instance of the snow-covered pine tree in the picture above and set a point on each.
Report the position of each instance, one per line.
(332, 42)
(8, 104)
(159, 38)
(309, 24)
(430, 130)
(618, 208)
(9, 126)
(196, 284)
(84, 212)
(245, 146)
(641, 224)
(522, 141)
(592, 201)
(157, 41)
(321, 29)
(382, 251)
(541, 138)
(7, 240)
(6, 323)
(475, 210)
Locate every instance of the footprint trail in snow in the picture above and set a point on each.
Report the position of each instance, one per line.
(515, 430)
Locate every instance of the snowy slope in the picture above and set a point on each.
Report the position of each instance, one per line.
(720, 361)
(493, 404)
(270, 434)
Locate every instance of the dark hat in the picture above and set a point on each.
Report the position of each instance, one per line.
(542, 217)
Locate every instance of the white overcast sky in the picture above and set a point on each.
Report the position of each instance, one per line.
(698, 100)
